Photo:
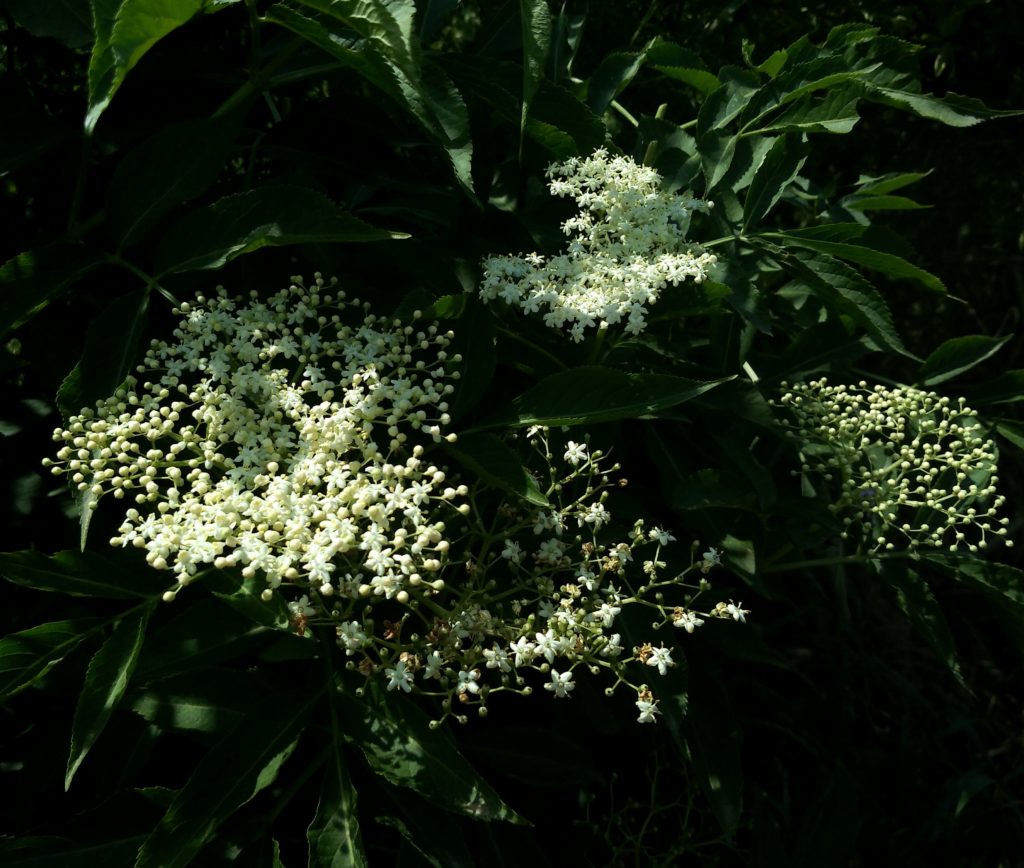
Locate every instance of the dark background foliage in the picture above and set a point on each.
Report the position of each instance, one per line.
(856, 744)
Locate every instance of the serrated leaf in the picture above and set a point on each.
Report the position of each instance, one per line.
(889, 183)
(33, 279)
(780, 167)
(494, 462)
(273, 216)
(213, 700)
(335, 840)
(124, 32)
(844, 290)
(957, 355)
(951, 109)
(835, 113)
(112, 347)
(918, 603)
(878, 260)
(1007, 388)
(725, 103)
(882, 203)
(81, 574)
(389, 57)
(596, 394)
(534, 756)
(535, 18)
(717, 149)
(245, 762)
(207, 633)
(106, 680)
(28, 655)
(398, 743)
(1003, 583)
(174, 166)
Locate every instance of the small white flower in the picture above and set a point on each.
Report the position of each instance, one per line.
(432, 669)
(575, 453)
(688, 621)
(738, 613)
(661, 658)
(302, 607)
(712, 558)
(561, 683)
(468, 681)
(512, 551)
(660, 536)
(524, 650)
(497, 658)
(400, 676)
(648, 708)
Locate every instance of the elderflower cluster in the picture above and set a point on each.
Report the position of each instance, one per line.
(540, 599)
(913, 468)
(625, 245)
(279, 437)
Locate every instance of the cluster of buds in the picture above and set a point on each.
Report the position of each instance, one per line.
(912, 469)
(626, 244)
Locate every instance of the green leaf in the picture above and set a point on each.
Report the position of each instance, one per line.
(33, 279)
(717, 149)
(206, 633)
(177, 164)
(724, 104)
(889, 183)
(125, 31)
(111, 352)
(1001, 582)
(1007, 388)
(957, 355)
(844, 290)
(399, 745)
(952, 109)
(81, 574)
(534, 756)
(869, 257)
(30, 654)
(66, 20)
(106, 680)
(595, 394)
(63, 853)
(245, 762)
(389, 57)
(493, 461)
(781, 165)
(474, 341)
(335, 840)
(211, 700)
(273, 216)
(918, 602)
(835, 113)
(713, 738)
(535, 20)
(882, 203)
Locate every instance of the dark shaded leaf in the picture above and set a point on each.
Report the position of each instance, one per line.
(335, 840)
(957, 355)
(536, 31)
(493, 461)
(177, 164)
(213, 700)
(781, 165)
(81, 574)
(30, 654)
(236, 769)
(124, 32)
(111, 351)
(595, 394)
(399, 744)
(106, 680)
(269, 216)
(33, 279)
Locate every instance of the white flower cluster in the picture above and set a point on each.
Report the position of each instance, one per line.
(626, 244)
(274, 436)
(544, 593)
(913, 468)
